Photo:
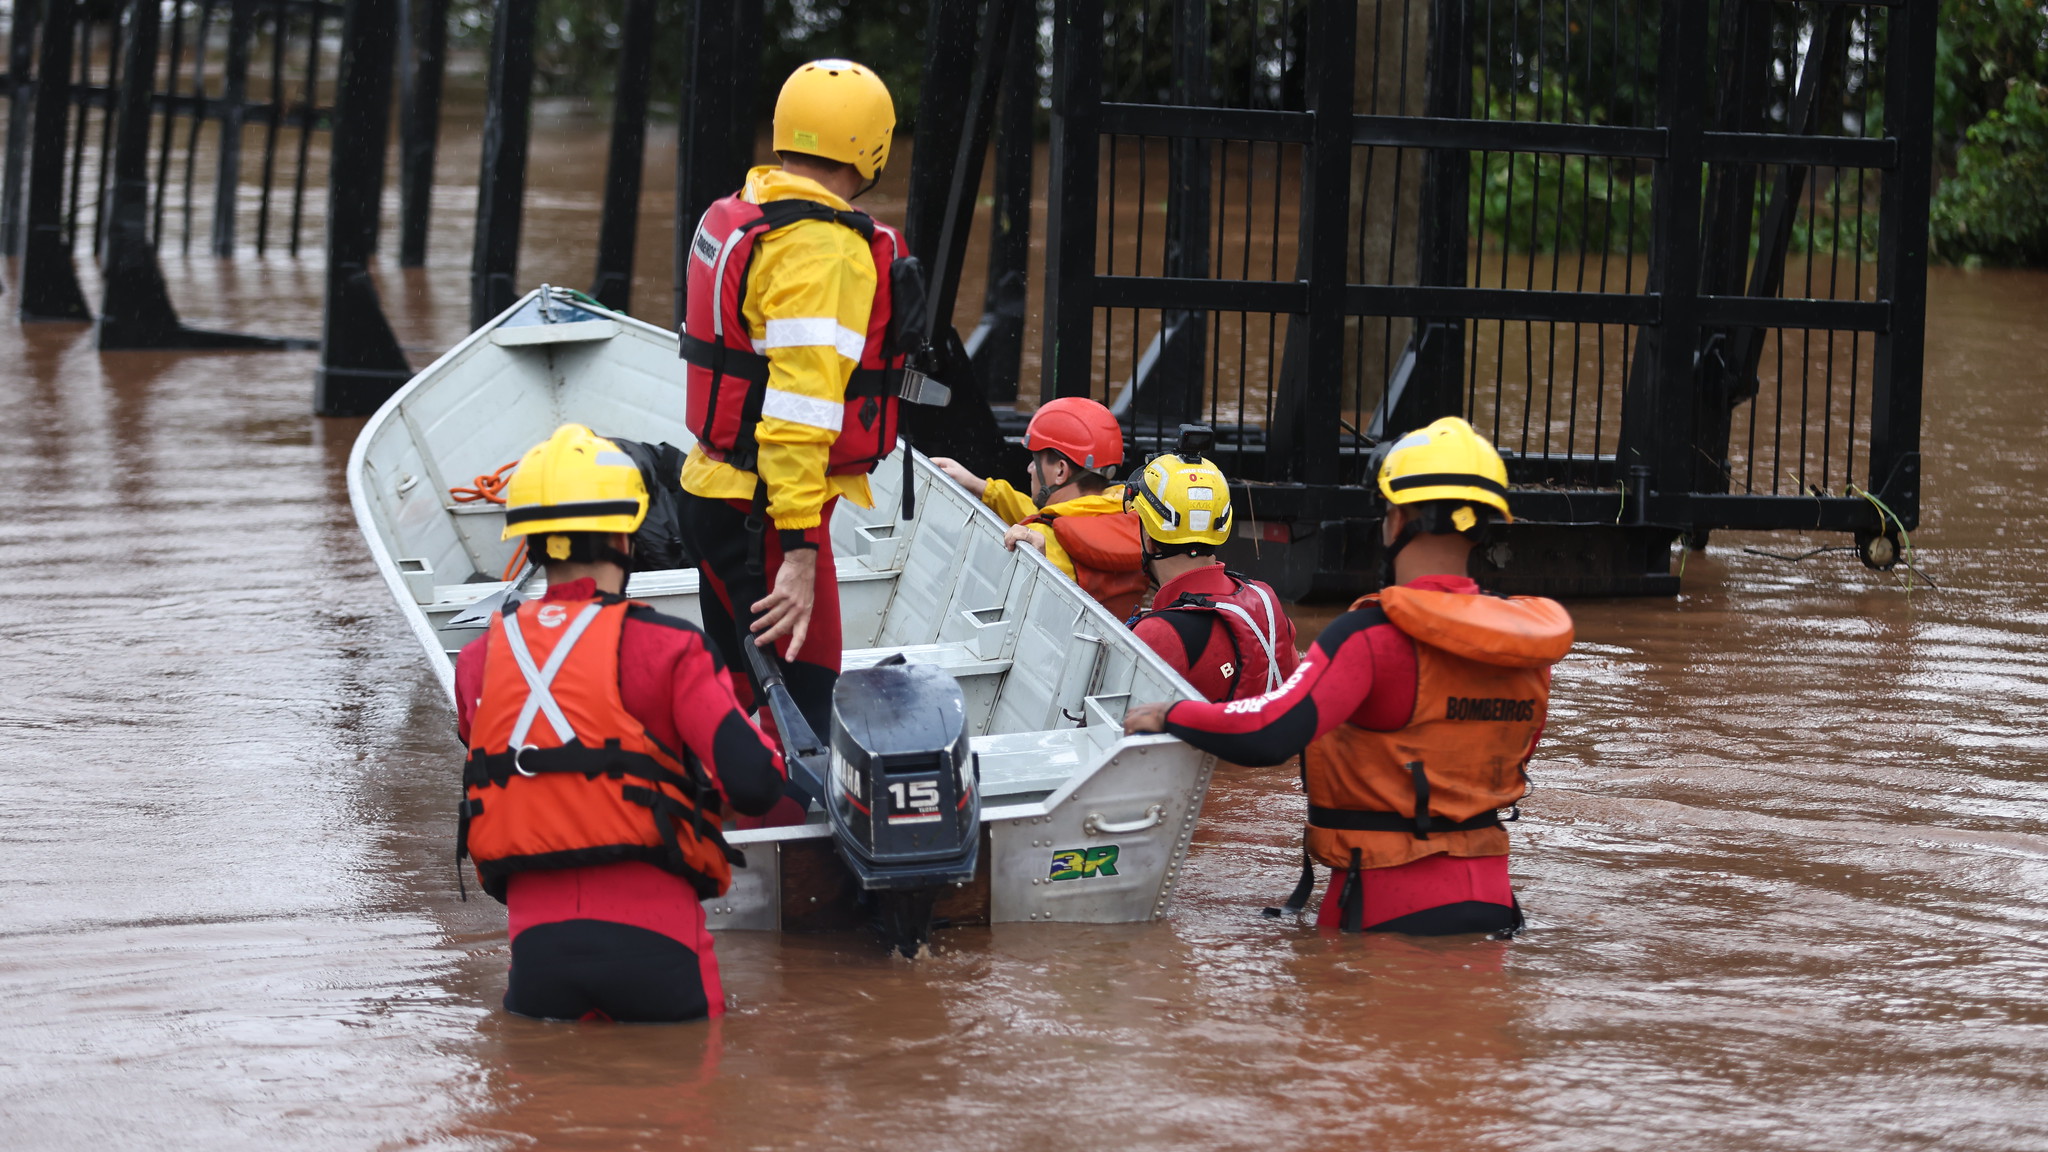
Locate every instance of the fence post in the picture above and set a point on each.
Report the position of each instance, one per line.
(424, 25)
(620, 227)
(501, 180)
(49, 279)
(996, 346)
(715, 143)
(1438, 346)
(1902, 261)
(361, 364)
(1332, 70)
(1070, 202)
(21, 39)
(1657, 434)
(234, 98)
(135, 309)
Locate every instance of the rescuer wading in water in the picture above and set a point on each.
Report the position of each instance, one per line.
(1074, 515)
(604, 746)
(1415, 712)
(1223, 632)
(792, 380)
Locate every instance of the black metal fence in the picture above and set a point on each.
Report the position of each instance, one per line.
(1669, 256)
(209, 107)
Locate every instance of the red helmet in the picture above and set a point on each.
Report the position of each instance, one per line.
(1081, 430)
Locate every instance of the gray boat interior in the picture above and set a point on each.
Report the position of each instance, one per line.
(1046, 671)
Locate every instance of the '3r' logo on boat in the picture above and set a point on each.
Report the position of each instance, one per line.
(1081, 863)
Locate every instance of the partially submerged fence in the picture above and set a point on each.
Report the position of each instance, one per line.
(1670, 256)
(147, 145)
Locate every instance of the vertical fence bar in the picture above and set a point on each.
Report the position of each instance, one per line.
(1658, 448)
(280, 23)
(1173, 393)
(234, 105)
(309, 93)
(163, 159)
(103, 175)
(1432, 389)
(619, 229)
(501, 180)
(21, 40)
(1902, 261)
(716, 137)
(1326, 204)
(361, 364)
(997, 344)
(1070, 211)
(200, 112)
(419, 110)
(49, 279)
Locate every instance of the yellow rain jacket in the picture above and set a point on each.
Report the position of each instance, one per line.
(1015, 507)
(808, 271)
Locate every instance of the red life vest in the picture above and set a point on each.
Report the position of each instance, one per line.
(1109, 563)
(727, 379)
(1250, 617)
(561, 775)
(1383, 799)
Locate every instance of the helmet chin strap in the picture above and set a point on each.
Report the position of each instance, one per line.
(1402, 539)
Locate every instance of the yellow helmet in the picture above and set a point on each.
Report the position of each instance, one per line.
(1446, 461)
(574, 481)
(839, 110)
(1182, 500)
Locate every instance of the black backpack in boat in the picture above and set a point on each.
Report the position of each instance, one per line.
(658, 545)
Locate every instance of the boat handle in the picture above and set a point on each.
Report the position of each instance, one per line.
(1095, 825)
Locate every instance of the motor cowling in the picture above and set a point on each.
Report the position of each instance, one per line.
(905, 800)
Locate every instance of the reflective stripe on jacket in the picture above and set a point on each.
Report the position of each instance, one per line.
(561, 775)
(787, 313)
(1382, 799)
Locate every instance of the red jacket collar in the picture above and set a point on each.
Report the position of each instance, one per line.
(1461, 584)
(1208, 581)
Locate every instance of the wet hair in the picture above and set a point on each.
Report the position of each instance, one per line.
(809, 161)
(1433, 518)
(1092, 483)
(582, 548)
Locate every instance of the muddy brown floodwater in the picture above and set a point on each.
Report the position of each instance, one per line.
(1786, 864)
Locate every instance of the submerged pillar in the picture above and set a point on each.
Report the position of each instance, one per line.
(361, 364)
(501, 181)
(620, 228)
(49, 279)
(425, 24)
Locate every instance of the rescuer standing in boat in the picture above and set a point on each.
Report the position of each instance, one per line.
(1415, 712)
(1224, 633)
(792, 383)
(604, 745)
(1074, 515)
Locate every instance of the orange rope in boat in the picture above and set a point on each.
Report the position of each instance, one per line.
(491, 486)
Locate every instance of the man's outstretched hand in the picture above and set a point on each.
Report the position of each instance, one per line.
(1146, 718)
(961, 476)
(786, 610)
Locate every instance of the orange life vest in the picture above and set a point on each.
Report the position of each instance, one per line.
(1108, 560)
(560, 775)
(1383, 799)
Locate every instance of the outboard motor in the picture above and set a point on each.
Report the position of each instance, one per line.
(905, 798)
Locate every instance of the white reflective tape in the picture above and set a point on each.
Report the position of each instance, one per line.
(812, 332)
(539, 700)
(718, 284)
(797, 408)
(615, 460)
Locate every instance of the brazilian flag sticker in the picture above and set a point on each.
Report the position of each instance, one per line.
(1081, 863)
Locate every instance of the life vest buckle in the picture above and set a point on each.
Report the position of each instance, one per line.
(522, 769)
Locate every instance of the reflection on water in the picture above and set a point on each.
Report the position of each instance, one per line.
(1786, 863)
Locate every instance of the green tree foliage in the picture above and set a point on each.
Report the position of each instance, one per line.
(1995, 206)
(1991, 132)
(1527, 201)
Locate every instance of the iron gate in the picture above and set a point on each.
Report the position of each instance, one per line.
(1669, 255)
